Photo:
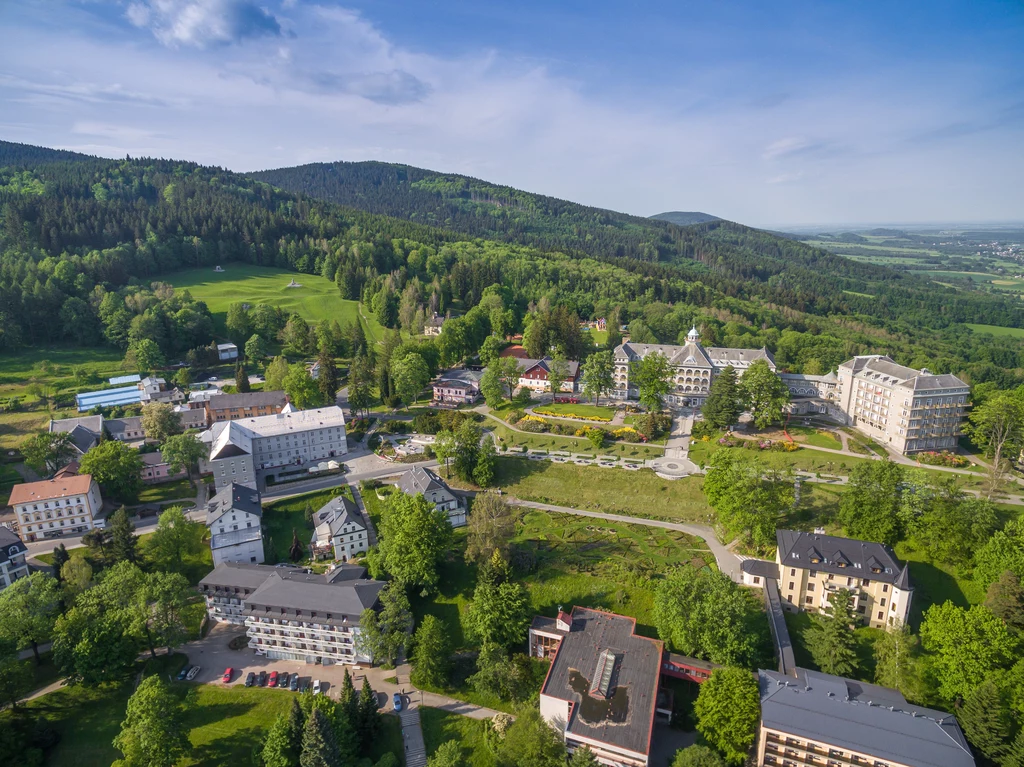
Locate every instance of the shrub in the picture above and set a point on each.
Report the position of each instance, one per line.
(533, 424)
(703, 431)
(574, 416)
(943, 458)
(515, 416)
(627, 434)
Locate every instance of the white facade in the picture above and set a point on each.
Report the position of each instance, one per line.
(227, 352)
(12, 558)
(339, 529)
(57, 507)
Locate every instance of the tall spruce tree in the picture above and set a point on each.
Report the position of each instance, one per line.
(725, 400)
(987, 721)
(124, 544)
(319, 748)
(278, 749)
(830, 639)
(60, 558)
(327, 379)
(241, 377)
(368, 722)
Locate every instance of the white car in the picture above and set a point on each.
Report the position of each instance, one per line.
(193, 673)
(316, 686)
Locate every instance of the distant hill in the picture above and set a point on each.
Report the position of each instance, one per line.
(14, 155)
(685, 218)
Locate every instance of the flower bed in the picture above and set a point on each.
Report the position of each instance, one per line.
(574, 416)
(943, 458)
(533, 424)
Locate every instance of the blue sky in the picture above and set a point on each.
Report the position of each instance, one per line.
(771, 114)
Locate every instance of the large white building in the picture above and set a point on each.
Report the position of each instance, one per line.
(235, 518)
(339, 529)
(12, 558)
(245, 450)
(65, 505)
(904, 409)
(693, 367)
(292, 614)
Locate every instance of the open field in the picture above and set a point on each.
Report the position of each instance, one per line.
(996, 330)
(316, 300)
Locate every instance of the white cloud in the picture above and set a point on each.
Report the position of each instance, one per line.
(202, 23)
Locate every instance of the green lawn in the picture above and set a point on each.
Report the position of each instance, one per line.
(316, 300)
(441, 726)
(996, 330)
(282, 517)
(167, 491)
(936, 583)
(8, 479)
(578, 410)
(816, 437)
(507, 436)
(638, 493)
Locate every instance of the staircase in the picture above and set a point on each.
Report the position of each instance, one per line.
(412, 737)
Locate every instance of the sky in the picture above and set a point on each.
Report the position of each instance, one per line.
(771, 114)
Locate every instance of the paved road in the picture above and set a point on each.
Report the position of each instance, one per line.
(728, 562)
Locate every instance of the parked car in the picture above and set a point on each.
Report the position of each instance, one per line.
(250, 680)
(398, 701)
(262, 679)
(273, 679)
(316, 686)
(228, 672)
(304, 684)
(184, 672)
(193, 673)
(294, 684)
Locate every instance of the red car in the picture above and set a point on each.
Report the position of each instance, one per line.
(227, 675)
(273, 679)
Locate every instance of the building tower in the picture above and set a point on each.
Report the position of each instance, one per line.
(693, 336)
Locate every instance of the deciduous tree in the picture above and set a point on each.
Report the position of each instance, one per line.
(894, 658)
(383, 634)
(153, 733)
(1003, 551)
(414, 537)
(728, 708)
(15, 675)
(183, 452)
(966, 644)
(276, 372)
(175, 539)
(28, 610)
(598, 375)
(301, 388)
(255, 348)
(871, 509)
(76, 577)
(483, 472)
(697, 756)
(409, 374)
(558, 373)
(48, 452)
(997, 425)
(530, 742)
(116, 467)
(765, 394)
(431, 654)
(748, 495)
(652, 375)
(448, 754)
(491, 526)
(159, 421)
(1005, 598)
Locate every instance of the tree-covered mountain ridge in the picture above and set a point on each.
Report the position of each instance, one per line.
(685, 217)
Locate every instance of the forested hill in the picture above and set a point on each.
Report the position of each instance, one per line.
(25, 155)
(685, 218)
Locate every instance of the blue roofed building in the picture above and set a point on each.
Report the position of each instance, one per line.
(122, 395)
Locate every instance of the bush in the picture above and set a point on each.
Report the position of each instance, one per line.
(702, 430)
(533, 424)
(515, 416)
(627, 434)
(943, 458)
(548, 411)
(394, 427)
(374, 441)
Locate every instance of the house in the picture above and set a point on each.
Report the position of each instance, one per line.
(693, 367)
(292, 614)
(226, 352)
(86, 432)
(533, 374)
(432, 327)
(192, 417)
(55, 507)
(313, 368)
(156, 470)
(906, 410)
(601, 689)
(231, 407)
(235, 518)
(436, 490)
(125, 429)
(339, 529)
(810, 566)
(247, 449)
(816, 718)
(12, 558)
(155, 390)
(457, 387)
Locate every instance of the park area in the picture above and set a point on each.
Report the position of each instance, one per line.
(314, 299)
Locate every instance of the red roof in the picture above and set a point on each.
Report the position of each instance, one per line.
(48, 489)
(514, 351)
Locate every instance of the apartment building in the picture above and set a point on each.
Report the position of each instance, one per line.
(420, 481)
(820, 719)
(232, 407)
(55, 507)
(694, 367)
(235, 518)
(812, 566)
(245, 450)
(339, 530)
(12, 558)
(602, 687)
(904, 409)
(292, 614)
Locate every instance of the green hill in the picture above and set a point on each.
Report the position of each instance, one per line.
(685, 218)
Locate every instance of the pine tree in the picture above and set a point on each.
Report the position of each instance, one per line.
(583, 757)
(327, 379)
(1015, 754)
(278, 750)
(60, 557)
(241, 377)
(893, 658)
(124, 544)
(319, 748)
(725, 401)
(296, 723)
(347, 697)
(430, 659)
(987, 721)
(830, 640)
(368, 721)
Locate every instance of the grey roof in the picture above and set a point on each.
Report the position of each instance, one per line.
(629, 720)
(760, 567)
(885, 370)
(337, 513)
(10, 545)
(345, 572)
(236, 575)
(120, 425)
(545, 364)
(841, 556)
(686, 354)
(236, 537)
(829, 377)
(248, 400)
(85, 432)
(460, 376)
(296, 591)
(420, 480)
(234, 496)
(152, 459)
(862, 717)
(723, 356)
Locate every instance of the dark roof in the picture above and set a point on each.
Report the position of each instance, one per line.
(760, 567)
(152, 459)
(10, 545)
(338, 600)
(236, 575)
(526, 364)
(420, 480)
(629, 720)
(120, 425)
(248, 400)
(234, 496)
(550, 625)
(345, 572)
(337, 513)
(873, 720)
(861, 558)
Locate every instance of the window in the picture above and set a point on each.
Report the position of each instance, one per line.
(881, 602)
(791, 585)
(810, 587)
(885, 588)
(880, 615)
(809, 600)
(792, 572)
